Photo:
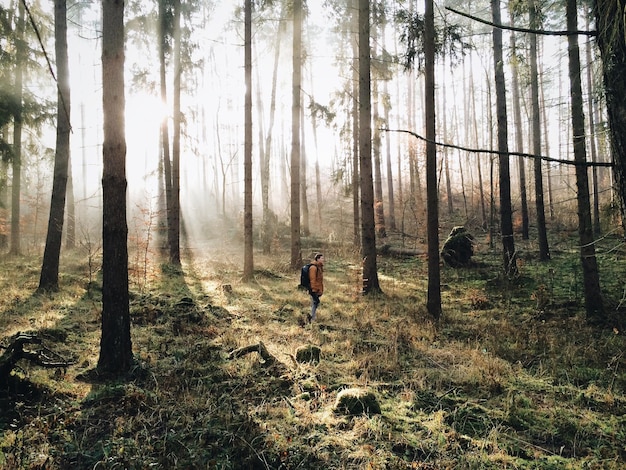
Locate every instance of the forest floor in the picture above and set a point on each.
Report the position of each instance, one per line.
(511, 377)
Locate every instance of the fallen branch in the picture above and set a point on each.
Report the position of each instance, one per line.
(260, 348)
(42, 356)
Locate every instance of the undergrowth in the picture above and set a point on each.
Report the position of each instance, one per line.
(511, 377)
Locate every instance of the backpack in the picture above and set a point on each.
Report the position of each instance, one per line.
(305, 282)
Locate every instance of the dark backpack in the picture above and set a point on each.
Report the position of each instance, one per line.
(305, 282)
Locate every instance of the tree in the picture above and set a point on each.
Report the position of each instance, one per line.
(248, 266)
(611, 27)
(368, 228)
(433, 302)
(115, 343)
(506, 219)
(296, 244)
(16, 165)
(519, 133)
(49, 279)
(174, 228)
(166, 167)
(544, 250)
(591, 278)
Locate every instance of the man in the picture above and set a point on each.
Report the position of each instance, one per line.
(316, 278)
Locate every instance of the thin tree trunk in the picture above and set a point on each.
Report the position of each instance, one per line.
(517, 119)
(592, 135)
(165, 135)
(433, 303)
(175, 226)
(594, 304)
(356, 202)
(304, 200)
(296, 244)
(248, 262)
(379, 213)
(49, 278)
(265, 164)
(544, 250)
(506, 219)
(368, 229)
(70, 237)
(17, 134)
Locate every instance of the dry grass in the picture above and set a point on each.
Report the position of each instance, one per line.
(512, 377)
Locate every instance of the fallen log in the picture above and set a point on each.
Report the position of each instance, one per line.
(15, 351)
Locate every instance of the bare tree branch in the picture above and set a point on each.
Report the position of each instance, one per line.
(496, 152)
(523, 30)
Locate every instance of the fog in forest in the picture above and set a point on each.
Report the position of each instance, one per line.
(212, 133)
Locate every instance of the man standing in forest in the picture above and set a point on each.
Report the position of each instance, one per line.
(316, 278)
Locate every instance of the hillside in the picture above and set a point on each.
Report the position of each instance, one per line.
(512, 377)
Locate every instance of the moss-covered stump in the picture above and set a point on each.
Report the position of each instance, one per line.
(356, 401)
(458, 248)
(308, 353)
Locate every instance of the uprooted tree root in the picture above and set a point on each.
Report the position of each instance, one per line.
(40, 356)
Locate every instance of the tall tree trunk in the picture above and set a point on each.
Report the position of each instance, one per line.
(265, 163)
(49, 278)
(115, 344)
(481, 189)
(611, 28)
(591, 277)
(356, 202)
(542, 233)
(368, 228)
(174, 229)
(70, 237)
(165, 134)
(296, 243)
(16, 165)
(248, 266)
(517, 119)
(4, 201)
(390, 195)
(433, 303)
(592, 135)
(506, 219)
(379, 212)
(304, 200)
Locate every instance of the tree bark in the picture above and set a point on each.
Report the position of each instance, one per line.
(611, 29)
(49, 278)
(591, 278)
(356, 202)
(115, 343)
(16, 163)
(433, 302)
(174, 229)
(519, 145)
(506, 220)
(542, 233)
(368, 228)
(296, 243)
(248, 263)
(165, 135)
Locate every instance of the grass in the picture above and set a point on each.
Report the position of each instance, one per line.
(511, 377)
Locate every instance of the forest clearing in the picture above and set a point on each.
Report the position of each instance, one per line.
(512, 377)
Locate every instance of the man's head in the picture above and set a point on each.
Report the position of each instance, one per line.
(319, 257)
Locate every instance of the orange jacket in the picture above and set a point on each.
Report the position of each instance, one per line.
(316, 276)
